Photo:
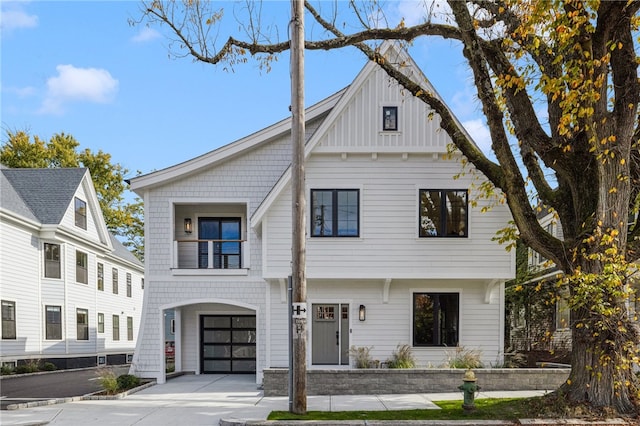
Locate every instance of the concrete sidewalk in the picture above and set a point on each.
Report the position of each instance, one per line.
(207, 399)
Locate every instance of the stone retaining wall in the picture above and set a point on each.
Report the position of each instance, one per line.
(389, 381)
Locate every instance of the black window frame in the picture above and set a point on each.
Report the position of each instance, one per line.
(82, 267)
(80, 209)
(439, 336)
(82, 327)
(8, 320)
(227, 254)
(53, 329)
(390, 118)
(52, 261)
(442, 228)
(335, 231)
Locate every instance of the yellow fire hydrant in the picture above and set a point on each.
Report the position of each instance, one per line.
(469, 389)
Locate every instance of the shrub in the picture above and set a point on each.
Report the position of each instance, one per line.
(461, 357)
(108, 381)
(6, 369)
(362, 356)
(402, 357)
(127, 381)
(48, 366)
(28, 367)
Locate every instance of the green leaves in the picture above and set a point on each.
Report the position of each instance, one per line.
(122, 218)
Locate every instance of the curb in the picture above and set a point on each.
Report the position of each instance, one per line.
(91, 396)
(528, 422)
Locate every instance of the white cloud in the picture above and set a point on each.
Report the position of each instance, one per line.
(145, 34)
(21, 92)
(479, 132)
(77, 85)
(16, 19)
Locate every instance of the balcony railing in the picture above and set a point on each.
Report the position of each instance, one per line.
(208, 254)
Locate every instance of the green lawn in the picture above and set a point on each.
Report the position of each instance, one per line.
(486, 409)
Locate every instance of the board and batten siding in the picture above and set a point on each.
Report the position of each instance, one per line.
(359, 126)
(388, 245)
(389, 324)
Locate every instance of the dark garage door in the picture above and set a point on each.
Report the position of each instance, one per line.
(228, 344)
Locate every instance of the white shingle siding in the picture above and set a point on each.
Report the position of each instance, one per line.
(380, 269)
(388, 245)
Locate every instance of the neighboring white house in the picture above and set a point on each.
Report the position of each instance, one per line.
(71, 293)
(397, 250)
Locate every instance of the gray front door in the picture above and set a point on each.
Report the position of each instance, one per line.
(330, 334)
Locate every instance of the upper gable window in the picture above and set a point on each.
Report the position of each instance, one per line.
(443, 213)
(81, 213)
(390, 118)
(335, 212)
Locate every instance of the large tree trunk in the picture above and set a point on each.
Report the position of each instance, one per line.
(603, 349)
(599, 383)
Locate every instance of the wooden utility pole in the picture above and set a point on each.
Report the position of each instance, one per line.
(298, 254)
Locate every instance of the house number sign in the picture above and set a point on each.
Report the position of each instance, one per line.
(299, 310)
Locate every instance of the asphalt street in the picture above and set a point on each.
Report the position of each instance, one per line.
(52, 385)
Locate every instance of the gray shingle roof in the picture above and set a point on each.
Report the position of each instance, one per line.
(46, 193)
(43, 195)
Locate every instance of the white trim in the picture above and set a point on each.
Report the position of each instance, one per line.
(224, 153)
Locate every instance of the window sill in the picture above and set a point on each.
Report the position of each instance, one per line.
(210, 272)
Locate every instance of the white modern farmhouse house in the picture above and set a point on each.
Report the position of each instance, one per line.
(398, 251)
(71, 292)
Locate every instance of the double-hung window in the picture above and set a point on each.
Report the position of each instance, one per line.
(443, 213)
(115, 325)
(53, 320)
(100, 322)
(51, 260)
(81, 267)
(129, 328)
(82, 322)
(100, 277)
(8, 319)
(81, 213)
(128, 284)
(435, 319)
(335, 212)
(114, 280)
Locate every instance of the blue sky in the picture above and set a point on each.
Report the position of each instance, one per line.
(78, 67)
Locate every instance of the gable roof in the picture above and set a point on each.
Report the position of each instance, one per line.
(40, 194)
(400, 56)
(226, 152)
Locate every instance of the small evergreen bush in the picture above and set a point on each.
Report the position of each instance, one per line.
(48, 366)
(127, 381)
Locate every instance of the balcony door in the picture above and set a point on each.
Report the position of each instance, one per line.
(225, 234)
